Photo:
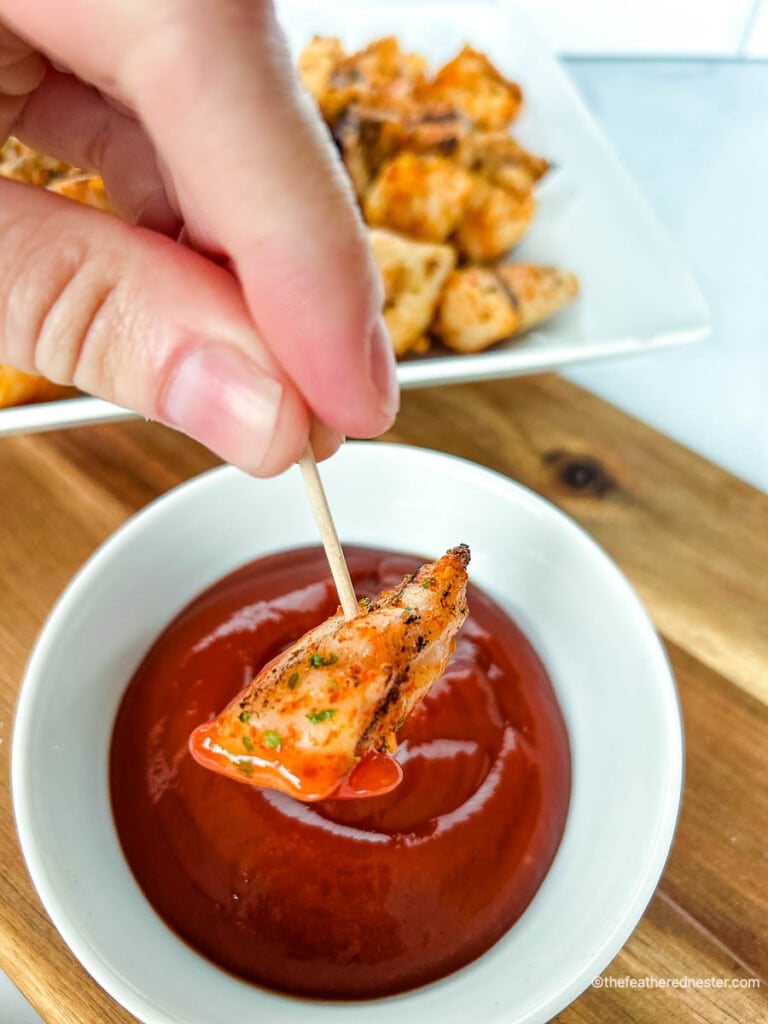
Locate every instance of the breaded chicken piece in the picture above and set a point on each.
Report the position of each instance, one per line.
(19, 388)
(383, 62)
(474, 311)
(413, 274)
(480, 306)
(539, 292)
(380, 73)
(342, 690)
(421, 196)
(494, 222)
(369, 135)
(22, 163)
(87, 189)
(317, 62)
(472, 84)
(497, 157)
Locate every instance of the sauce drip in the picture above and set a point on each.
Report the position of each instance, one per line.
(343, 898)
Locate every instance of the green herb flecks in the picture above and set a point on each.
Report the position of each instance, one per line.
(318, 661)
(244, 716)
(293, 678)
(272, 739)
(323, 715)
(333, 685)
(247, 743)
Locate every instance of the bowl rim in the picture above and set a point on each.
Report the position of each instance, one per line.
(105, 973)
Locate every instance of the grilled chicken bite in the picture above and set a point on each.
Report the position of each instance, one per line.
(368, 135)
(18, 388)
(494, 222)
(342, 690)
(480, 306)
(421, 196)
(471, 83)
(413, 274)
(538, 292)
(87, 189)
(497, 157)
(316, 64)
(380, 72)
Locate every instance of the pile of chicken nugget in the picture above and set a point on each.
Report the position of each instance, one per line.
(446, 191)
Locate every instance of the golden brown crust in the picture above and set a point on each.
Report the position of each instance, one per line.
(475, 86)
(86, 188)
(19, 388)
(503, 161)
(413, 274)
(481, 306)
(475, 311)
(495, 221)
(422, 196)
(539, 292)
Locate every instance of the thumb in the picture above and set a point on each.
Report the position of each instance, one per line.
(137, 319)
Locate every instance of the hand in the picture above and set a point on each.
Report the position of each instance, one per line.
(192, 115)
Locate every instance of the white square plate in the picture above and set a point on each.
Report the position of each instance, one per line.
(636, 294)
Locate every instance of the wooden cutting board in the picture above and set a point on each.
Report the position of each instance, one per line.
(692, 539)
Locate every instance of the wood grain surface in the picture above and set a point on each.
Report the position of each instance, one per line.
(693, 541)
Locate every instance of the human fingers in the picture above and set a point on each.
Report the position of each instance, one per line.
(21, 69)
(131, 316)
(280, 208)
(71, 121)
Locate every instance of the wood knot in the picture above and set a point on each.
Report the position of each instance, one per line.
(580, 474)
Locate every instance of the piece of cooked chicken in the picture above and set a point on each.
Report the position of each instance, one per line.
(86, 188)
(413, 274)
(316, 64)
(342, 690)
(539, 292)
(369, 135)
(424, 196)
(504, 162)
(471, 83)
(494, 221)
(378, 73)
(19, 388)
(22, 163)
(480, 306)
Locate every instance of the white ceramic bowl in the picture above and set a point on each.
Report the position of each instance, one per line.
(607, 666)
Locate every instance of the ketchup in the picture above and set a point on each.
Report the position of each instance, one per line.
(350, 898)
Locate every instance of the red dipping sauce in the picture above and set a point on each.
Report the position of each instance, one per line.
(340, 899)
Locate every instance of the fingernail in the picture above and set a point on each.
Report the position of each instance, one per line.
(384, 370)
(218, 396)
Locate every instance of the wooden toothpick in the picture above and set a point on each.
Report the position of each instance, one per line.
(328, 534)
